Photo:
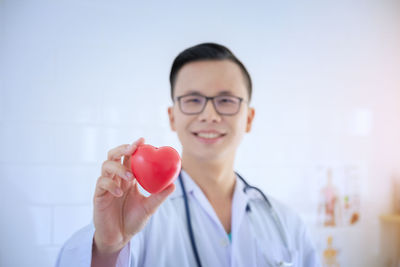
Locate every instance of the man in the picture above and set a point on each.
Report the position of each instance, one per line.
(209, 219)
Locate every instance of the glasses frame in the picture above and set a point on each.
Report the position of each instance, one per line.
(178, 98)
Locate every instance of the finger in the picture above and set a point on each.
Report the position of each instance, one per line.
(126, 185)
(111, 168)
(117, 153)
(105, 184)
(154, 201)
(133, 148)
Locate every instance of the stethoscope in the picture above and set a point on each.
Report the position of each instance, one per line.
(245, 189)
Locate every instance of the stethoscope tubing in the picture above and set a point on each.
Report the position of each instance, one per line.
(189, 222)
(245, 189)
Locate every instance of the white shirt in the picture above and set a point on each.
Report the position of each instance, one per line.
(164, 241)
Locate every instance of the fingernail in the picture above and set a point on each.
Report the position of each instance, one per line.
(128, 148)
(128, 175)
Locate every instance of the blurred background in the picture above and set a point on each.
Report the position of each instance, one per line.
(80, 77)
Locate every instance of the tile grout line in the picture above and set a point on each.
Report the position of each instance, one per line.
(52, 212)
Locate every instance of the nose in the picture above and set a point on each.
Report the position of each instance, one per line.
(209, 113)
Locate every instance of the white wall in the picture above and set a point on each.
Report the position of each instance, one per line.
(80, 77)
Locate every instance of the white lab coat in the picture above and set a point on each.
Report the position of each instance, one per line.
(165, 240)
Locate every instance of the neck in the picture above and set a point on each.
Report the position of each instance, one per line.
(216, 178)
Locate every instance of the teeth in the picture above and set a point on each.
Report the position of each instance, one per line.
(208, 135)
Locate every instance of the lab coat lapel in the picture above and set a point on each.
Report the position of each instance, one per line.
(239, 204)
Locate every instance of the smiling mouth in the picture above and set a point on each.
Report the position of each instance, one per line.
(209, 135)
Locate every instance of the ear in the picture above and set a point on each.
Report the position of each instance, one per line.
(171, 118)
(250, 117)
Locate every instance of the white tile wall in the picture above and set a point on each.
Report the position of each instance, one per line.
(43, 224)
(27, 141)
(69, 219)
(78, 78)
(47, 184)
(51, 101)
(2, 101)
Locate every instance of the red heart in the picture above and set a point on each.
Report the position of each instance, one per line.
(155, 168)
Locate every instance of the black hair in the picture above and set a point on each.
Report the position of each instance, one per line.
(206, 51)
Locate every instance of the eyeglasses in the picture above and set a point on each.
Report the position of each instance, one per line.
(192, 104)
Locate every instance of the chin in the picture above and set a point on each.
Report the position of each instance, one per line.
(211, 155)
(209, 152)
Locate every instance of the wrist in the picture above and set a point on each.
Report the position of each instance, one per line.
(104, 248)
(104, 255)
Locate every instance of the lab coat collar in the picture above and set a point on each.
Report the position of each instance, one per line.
(190, 185)
(239, 204)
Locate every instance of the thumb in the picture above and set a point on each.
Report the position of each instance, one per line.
(154, 201)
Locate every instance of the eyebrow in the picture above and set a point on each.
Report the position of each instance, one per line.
(225, 92)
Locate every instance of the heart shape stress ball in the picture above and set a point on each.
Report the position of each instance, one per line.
(155, 168)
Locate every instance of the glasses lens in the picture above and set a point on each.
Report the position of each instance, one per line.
(227, 104)
(192, 103)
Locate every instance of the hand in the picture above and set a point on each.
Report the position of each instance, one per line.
(120, 210)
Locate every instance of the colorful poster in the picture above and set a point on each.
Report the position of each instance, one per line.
(337, 188)
(339, 202)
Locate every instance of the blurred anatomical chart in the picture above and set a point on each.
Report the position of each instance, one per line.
(329, 255)
(339, 201)
(338, 189)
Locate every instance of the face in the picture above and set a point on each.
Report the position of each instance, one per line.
(209, 135)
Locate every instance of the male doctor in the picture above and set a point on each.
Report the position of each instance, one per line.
(230, 226)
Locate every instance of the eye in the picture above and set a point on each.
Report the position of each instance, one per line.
(227, 100)
(192, 100)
